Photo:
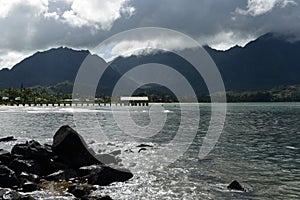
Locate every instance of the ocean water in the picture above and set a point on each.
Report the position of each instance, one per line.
(259, 146)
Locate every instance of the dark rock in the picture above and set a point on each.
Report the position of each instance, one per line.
(29, 187)
(144, 145)
(38, 167)
(19, 166)
(29, 177)
(115, 153)
(105, 198)
(27, 197)
(60, 175)
(129, 151)
(32, 149)
(142, 149)
(103, 175)
(7, 139)
(106, 159)
(71, 149)
(80, 191)
(5, 157)
(110, 144)
(13, 195)
(235, 185)
(8, 178)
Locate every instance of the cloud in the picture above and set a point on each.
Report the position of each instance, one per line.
(30, 26)
(147, 43)
(99, 14)
(260, 7)
(8, 59)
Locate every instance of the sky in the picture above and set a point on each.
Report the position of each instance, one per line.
(28, 26)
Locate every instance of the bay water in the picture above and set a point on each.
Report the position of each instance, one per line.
(259, 146)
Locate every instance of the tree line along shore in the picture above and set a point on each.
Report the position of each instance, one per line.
(44, 96)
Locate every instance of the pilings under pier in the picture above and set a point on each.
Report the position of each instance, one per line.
(72, 104)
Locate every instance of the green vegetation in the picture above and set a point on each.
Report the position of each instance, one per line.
(289, 93)
(62, 93)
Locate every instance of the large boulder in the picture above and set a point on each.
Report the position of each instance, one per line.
(71, 149)
(8, 178)
(104, 175)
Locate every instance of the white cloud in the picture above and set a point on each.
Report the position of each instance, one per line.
(8, 7)
(260, 7)
(225, 40)
(51, 15)
(33, 25)
(9, 59)
(99, 14)
(128, 47)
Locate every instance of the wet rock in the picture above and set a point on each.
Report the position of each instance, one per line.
(29, 177)
(105, 198)
(235, 185)
(80, 191)
(13, 195)
(38, 167)
(115, 153)
(142, 149)
(33, 150)
(60, 175)
(129, 151)
(144, 145)
(19, 166)
(29, 187)
(103, 175)
(71, 149)
(7, 139)
(5, 157)
(8, 178)
(106, 159)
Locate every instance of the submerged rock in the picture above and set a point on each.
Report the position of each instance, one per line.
(104, 198)
(235, 185)
(7, 139)
(107, 159)
(142, 149)
(144, 145)
(115, 153)
(71, 149)
(62, 175)
(103, 175)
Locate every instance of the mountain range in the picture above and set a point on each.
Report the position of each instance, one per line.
(269, 61)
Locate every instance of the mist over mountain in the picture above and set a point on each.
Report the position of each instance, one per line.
(269, 61)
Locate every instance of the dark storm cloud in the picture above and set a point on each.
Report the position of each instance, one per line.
(27, 27)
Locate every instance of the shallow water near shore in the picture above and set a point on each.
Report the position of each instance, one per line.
(260, 146)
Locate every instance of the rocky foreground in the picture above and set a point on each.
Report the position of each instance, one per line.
(67, 166)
